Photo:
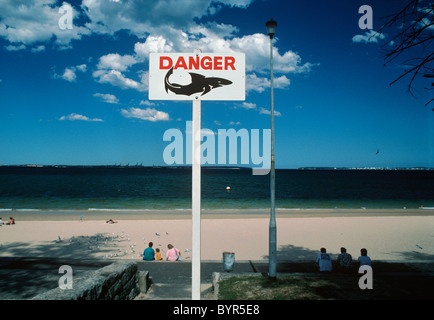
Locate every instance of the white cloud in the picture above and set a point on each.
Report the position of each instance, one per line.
(220, 38)
(248, 105)
(109, 98)
(115, 61)
(117, 79)
(75, 116)
(149, 114)
(255, 83)
(147, 103)
(163, 26)
(209, 37)
(152, 44)
(281, 82)
(260, 84)
(111, 69)
(257, 49)
(166, 26)
(236, 3)
(38, 48)
(427, 23)
(82, 67)
(369, 37)
(30, 21)
(15, 47)
(69, 74)
(253, 106)
(146, 17)
(266, 111)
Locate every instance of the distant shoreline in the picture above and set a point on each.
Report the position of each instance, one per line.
(123, 166)
(75, 215)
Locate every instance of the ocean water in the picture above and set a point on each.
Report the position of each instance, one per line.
(148, 188)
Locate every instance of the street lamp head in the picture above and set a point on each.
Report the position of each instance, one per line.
(271, 27)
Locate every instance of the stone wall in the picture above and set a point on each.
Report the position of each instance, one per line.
(117, 281)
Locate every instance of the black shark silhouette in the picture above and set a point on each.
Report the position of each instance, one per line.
(199, 83)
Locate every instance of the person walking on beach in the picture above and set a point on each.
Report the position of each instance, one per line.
(323, 261)
(344, 261)
(172, 254)
(149, 253)
(364, 259)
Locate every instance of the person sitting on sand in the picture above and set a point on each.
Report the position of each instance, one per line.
(172, 254)
(364, 258)
(111, 221)
(323, 261)
(158, 254)
(11, 221)
(344, 261)
(1, 222)
(149, 253)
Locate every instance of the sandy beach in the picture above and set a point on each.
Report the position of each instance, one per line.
(389, 235)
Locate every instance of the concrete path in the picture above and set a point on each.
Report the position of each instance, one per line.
(172, 280)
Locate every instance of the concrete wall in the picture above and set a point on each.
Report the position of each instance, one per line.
(118, 281)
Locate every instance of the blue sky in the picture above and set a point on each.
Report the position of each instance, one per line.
(79, 96)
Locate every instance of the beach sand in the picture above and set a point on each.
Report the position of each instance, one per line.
(388, 235)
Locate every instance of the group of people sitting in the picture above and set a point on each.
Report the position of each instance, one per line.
(344, 262)
(10, 222)
(172, 254)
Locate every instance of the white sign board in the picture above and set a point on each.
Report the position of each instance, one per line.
(197, 76)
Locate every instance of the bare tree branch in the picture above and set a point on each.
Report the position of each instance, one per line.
(415, 38)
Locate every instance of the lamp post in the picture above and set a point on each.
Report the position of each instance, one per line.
(271, 28)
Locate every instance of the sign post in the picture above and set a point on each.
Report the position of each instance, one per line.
(196, 201)
(198, 76)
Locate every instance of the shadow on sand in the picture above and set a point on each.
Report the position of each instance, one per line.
(26, 269)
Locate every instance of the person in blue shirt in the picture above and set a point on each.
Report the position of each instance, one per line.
(149, 253)
(323, 261)
(364, 258)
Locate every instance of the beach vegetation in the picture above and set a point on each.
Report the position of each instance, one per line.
(391, 283)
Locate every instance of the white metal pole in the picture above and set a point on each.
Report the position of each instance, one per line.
(196, 197)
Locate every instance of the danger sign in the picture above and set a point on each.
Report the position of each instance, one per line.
(196, 76)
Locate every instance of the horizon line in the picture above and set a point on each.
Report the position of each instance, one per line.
(309, 168)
